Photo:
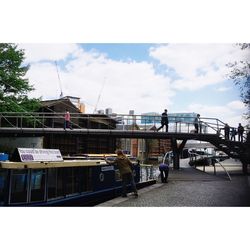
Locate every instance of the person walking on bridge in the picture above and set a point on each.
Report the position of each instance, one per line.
(164, 120)
(67, 120)
(125, 169)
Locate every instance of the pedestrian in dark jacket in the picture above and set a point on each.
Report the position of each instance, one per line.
(164, 172)
(233, 134)
(240, 132)
(227, 131)
(197, 124)
(125, 169)
(164, 120)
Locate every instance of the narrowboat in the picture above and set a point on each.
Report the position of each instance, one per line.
(73, 182)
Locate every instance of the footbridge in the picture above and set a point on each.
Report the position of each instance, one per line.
(181, 129)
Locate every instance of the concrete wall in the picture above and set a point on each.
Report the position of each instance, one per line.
(8, 144)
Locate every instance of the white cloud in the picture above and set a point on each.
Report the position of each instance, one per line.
(198, 65)
(39, 52)
(127, 85)
(223, 89)
(230, 113)
(236, 105)
(43, 77)
(198, 82)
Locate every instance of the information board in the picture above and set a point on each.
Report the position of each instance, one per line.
(39, 154)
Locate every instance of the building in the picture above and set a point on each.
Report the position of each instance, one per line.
(151, 149)
(129, 145)
(108, 111)
(150, 118)
(75, 144)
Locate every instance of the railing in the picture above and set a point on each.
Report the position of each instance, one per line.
(148, 172)
(224, 169)
(208, 161)
(177, 124)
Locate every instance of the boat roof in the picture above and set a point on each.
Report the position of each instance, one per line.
(59, 164)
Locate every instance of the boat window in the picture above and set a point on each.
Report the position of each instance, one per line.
(76, 180)
(3, 181)
(55, 183)
(51, 183)
(19, 181)
(83, 179)
(37, 184)
(69, 181)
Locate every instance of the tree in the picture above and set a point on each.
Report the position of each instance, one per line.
(240, 73)
(13, 86)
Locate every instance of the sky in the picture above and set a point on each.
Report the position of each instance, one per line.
(144, 77)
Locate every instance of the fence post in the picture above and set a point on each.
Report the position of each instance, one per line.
(151, 172)
(146, 172)
(218, 131)
(140, 173)
(43, 120)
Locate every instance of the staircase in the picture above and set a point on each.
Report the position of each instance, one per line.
(234, 149)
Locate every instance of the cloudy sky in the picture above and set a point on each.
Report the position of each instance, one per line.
(142, 77)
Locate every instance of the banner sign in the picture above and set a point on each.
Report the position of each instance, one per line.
(39, 154)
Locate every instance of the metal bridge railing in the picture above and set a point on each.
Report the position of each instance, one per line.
(177, 124)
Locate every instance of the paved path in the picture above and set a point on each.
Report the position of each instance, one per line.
(191, 188)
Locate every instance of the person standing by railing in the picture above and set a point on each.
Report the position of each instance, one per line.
(233, 134)
(197, 124)
(227, 131)
(164, 120)
(240, 132)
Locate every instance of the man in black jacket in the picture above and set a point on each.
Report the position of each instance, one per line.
(240, 132)
(164, 120)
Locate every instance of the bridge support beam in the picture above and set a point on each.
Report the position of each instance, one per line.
(176, 152)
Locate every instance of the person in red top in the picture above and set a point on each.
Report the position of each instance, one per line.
(67, 120)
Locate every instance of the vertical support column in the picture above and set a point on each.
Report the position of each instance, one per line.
(176, 160)
(244, 167)
(176, 152)
(176, 155)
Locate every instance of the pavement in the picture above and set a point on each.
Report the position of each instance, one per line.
(189, 187)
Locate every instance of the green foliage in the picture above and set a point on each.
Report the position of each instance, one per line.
(240, 73)
(14, 87)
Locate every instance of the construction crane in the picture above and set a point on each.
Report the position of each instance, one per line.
(60, 83)
(99, 96)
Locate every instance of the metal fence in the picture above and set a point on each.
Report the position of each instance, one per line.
(177, 124)
(148, 172)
